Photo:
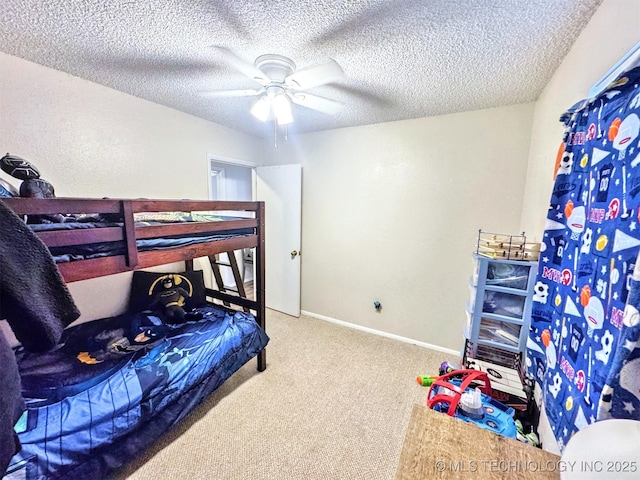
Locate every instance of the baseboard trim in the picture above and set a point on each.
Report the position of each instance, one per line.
(381, 333)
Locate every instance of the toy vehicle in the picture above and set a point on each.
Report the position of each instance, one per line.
(451, 394)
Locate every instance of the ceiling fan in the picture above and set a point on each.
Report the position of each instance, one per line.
(281, 84)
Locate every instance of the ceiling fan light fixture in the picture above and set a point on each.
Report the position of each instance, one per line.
(262, 108)
(282, 110)
(281, 85)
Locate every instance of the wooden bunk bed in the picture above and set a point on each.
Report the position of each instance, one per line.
(129, 233)
(136, 232)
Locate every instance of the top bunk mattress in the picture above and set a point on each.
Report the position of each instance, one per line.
(68, 253)
(91, 238)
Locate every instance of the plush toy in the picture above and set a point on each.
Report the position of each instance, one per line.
(170, 300)
(145, 329)
(32, 185)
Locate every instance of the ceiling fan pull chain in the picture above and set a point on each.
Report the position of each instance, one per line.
(275, 134)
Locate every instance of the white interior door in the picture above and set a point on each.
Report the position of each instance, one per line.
(280, 187)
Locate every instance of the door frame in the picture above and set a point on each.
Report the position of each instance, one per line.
(230, 161)
(220, 180)
(254, 190)
(219, 159)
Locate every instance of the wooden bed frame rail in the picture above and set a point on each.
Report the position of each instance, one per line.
(127, 232)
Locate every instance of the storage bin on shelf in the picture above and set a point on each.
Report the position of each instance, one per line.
(498, 312)
(499, 309)
(501, 293)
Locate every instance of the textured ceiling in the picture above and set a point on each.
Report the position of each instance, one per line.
(401, 58)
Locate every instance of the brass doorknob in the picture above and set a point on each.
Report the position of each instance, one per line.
(294, 253)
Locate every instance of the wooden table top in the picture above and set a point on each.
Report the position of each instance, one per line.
(439, 446)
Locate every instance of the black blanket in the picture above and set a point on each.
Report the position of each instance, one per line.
(37, 304)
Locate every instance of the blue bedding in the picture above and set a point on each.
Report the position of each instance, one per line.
(101, 397)
(104, 249)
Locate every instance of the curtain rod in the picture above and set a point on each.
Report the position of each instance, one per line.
(630, 60)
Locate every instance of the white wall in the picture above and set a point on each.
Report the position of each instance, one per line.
(391, 213)
(611, 32)
(89, 140)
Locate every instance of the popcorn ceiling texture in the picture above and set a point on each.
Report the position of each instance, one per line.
(402, 58)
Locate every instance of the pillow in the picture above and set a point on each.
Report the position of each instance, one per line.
(145, 285)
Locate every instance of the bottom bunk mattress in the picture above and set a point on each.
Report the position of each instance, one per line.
(113, 386)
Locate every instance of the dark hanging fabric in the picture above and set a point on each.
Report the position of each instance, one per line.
(37, 305)
(33, 296)
(583, 347)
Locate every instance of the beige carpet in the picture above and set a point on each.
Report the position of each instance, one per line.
(333, 403)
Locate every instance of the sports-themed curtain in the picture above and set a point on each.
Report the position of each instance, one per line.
(583, 347)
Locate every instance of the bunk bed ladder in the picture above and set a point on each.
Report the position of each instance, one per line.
(215, 262)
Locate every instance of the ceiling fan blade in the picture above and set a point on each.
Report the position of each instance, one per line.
(248, 69)
(232, 93)
(315, 76)
(314, 102)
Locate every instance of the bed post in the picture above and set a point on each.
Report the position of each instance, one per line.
(260, 281)
(129, 233)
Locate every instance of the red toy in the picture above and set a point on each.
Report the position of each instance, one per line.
(465, 377)
(452, 394)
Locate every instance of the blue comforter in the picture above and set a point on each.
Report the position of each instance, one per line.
(100, 398)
